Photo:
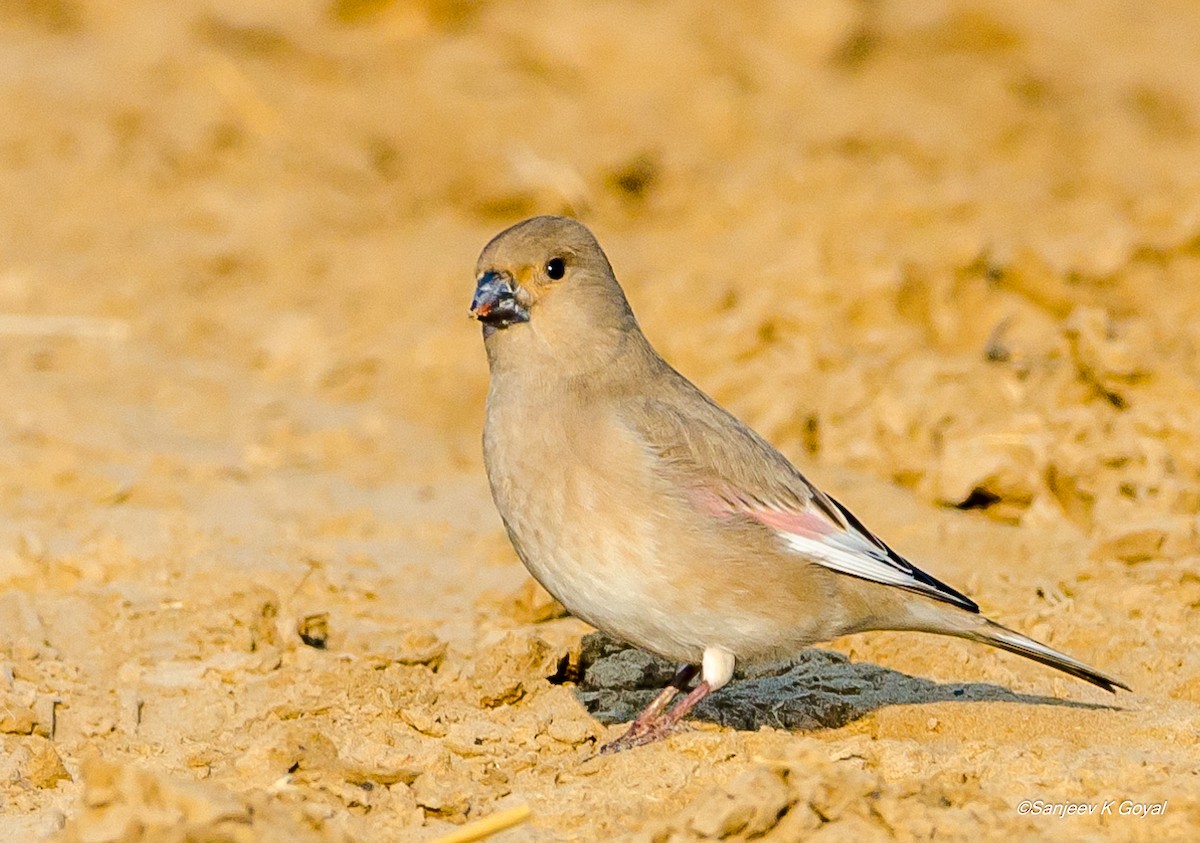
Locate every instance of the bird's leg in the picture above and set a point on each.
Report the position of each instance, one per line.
(683, 677)
(718, 669)
(648, 719)
(684, 706)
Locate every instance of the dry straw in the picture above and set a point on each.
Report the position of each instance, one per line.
(489, 825)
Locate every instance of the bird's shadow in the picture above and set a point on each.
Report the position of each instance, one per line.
(819, 689)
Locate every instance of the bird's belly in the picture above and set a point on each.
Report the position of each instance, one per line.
(604, 568)
(629, 577)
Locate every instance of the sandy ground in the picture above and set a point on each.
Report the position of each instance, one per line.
(945, 255)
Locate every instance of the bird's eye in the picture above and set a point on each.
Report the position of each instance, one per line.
(555, 269)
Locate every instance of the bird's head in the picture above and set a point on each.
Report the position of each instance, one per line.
(547, 278)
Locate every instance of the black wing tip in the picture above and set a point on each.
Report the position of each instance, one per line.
(934, 587)
(944, 592)
(965, 602)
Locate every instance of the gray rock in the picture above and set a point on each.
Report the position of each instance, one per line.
(819, 689)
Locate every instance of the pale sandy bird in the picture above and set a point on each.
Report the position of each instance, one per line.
(656, 516)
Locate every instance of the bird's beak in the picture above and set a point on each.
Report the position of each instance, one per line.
(495, 303)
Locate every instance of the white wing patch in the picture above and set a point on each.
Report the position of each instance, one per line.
(853, 550)
(859, 562)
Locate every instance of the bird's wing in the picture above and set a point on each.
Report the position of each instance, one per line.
(730, 472)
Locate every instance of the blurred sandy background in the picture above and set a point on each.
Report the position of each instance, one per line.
(945, 255)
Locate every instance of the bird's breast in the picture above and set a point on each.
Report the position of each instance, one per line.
(577, 496)
(563, 480)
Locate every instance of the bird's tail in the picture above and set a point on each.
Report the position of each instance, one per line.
(988, 632)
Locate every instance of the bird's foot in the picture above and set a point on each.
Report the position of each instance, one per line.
(639, 734)
(648, 729)
(648, 720)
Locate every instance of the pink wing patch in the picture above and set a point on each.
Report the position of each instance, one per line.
(806, 529)
(797, 521)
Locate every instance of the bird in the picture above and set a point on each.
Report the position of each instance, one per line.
(655, 515)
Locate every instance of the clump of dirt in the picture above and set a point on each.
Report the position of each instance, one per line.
(819, 689)
(124, 804)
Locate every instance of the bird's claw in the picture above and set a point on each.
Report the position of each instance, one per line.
(639, 734)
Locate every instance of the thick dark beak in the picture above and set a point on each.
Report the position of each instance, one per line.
(495, 303)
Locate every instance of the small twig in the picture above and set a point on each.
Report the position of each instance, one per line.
(486, 827)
